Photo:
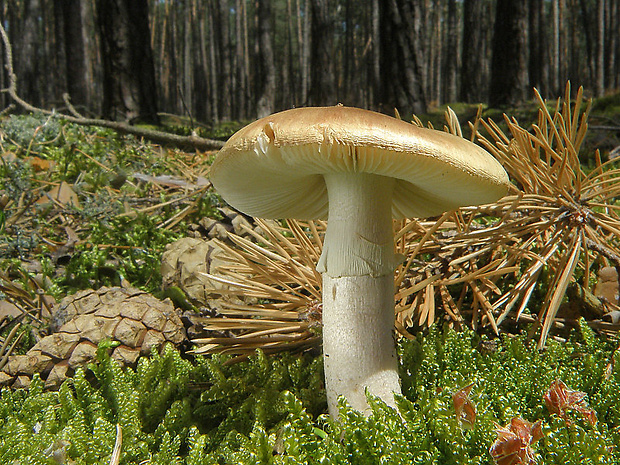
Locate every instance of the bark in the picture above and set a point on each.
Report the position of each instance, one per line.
(509, 77)
(224, 89)
(292, 89)
(558, 63)
(613, 46)
(188, 62)
(4, 98)
(434, 48)
(538, 66)
(213, 69)
(376, 54)
(473, 52)
(451, 56)
(306, 54)
(265, 60)
(375, 71)
(27, 57)
(75, 54)
(348, 56)
(240, 64)
(92, 50)
(58, 50)
(51, 87)
(201, 70)
(186, 142)
(322, 89)
(587, 32)
(163, 54)
(400, 57)
(599, 83)
(129, 89)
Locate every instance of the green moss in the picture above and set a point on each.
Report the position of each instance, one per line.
(122, 248)
(272, 409)
(608, 105)
(32, 131)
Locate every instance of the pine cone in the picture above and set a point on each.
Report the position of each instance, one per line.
(136, 319)
(232, 221)
(184, 264)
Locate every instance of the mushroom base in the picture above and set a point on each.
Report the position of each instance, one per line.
(358, 341)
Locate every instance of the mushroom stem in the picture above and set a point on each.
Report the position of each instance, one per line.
(358, 291)
(358, 344)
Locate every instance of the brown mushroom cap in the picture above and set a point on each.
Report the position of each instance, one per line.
(274, 167)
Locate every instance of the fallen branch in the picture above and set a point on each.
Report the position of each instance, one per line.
(605, 128)
(193, 141)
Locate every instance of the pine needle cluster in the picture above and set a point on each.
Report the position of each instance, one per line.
(488, 267)
(515, 259)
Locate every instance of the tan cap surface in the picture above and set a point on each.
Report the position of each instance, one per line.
(274, 167)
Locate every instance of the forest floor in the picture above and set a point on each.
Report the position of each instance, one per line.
(84, 207)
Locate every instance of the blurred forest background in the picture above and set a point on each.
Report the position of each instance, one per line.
(219, 60)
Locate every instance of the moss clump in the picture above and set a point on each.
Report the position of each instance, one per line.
(271, 410)
(608, 105)
(31, 130)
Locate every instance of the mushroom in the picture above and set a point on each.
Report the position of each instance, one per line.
(358, 169)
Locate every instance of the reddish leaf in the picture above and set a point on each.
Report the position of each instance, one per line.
(559, 399)
(39, 164)
(464, 407)
(513, 443)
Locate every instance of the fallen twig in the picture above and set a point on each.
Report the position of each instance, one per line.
(193, 141)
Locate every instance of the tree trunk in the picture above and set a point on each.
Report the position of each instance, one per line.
(129, 90)
(557, 11)
(201, 69)
(590, 52)
(293, 89)
(75, 56)
(348, 54)
(188, 62)
(599, 81)
(92, 51)
(322, 89)
(224, 90)
(213, 64)
(306, 53)
(612, 61)
(266, 87)
(242, 79)
(434, 48)
(26, 53)
(474, 47)
(380, 54)
(451, 56)
(538, 66)
(164, 56)
(59, 56)
(375, 71)
(51, 87)
(509, 78)
(401, 57)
